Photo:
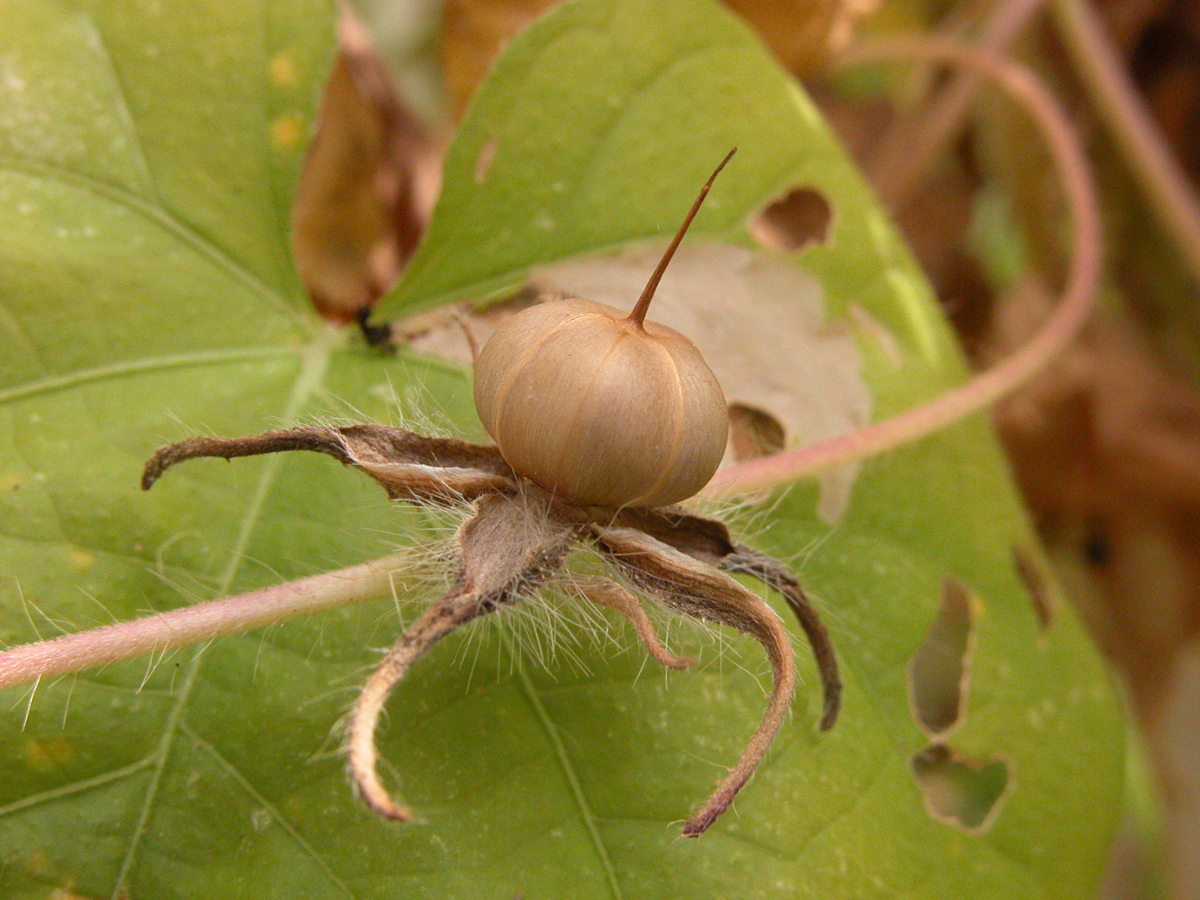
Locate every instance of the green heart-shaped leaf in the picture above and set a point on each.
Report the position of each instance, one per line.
(148, 154)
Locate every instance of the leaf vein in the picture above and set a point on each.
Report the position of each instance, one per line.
(124, 110)
(245, 784)
(76, 787)
(19, 328)
(140, 366)
(314, 363)
(178, 228)
(572, 777)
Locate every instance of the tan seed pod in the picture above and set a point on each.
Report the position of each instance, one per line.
(599, 406)
(599, 409)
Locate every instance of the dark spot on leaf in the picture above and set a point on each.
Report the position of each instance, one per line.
(960, 792)
(483, 162)
(792, 221)
(938, 670)
(1033, 576)
(753, 433)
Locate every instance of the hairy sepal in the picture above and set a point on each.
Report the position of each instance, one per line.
(510, 546)
(408, 465)
(695, 589)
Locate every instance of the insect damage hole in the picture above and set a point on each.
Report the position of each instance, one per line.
(753, 433)
(960, 792)
(939, 669)
(792, 221)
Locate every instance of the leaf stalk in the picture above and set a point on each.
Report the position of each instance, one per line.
(1002, 379)
(200, 622)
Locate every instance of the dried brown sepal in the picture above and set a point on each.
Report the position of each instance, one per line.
(510, 546)
(701, 538)
(698, 590)
(606, 592)
(517, 540)
(456, 608)
(771, 572)
(408, 465)
(708, 540)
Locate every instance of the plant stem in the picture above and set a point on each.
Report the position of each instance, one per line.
(202, 621)
(987, 387)
(1130, 126)
(901, 161)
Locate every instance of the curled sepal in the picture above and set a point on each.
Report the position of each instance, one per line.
(455, 609)
(511, 545)
(408, 465)
(707, 540)
(606, 592)
(696, 589)
(772, 573)
(699, 537)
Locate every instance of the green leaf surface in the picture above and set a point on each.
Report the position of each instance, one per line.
(148, 152)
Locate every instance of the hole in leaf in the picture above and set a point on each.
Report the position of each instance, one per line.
(1033, 576)
(960, 792)
(753, 433)
(795, 219)
(938, 670)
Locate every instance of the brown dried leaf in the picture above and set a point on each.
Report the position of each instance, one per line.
(473, 34)
(367, 185)
(803, 35)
